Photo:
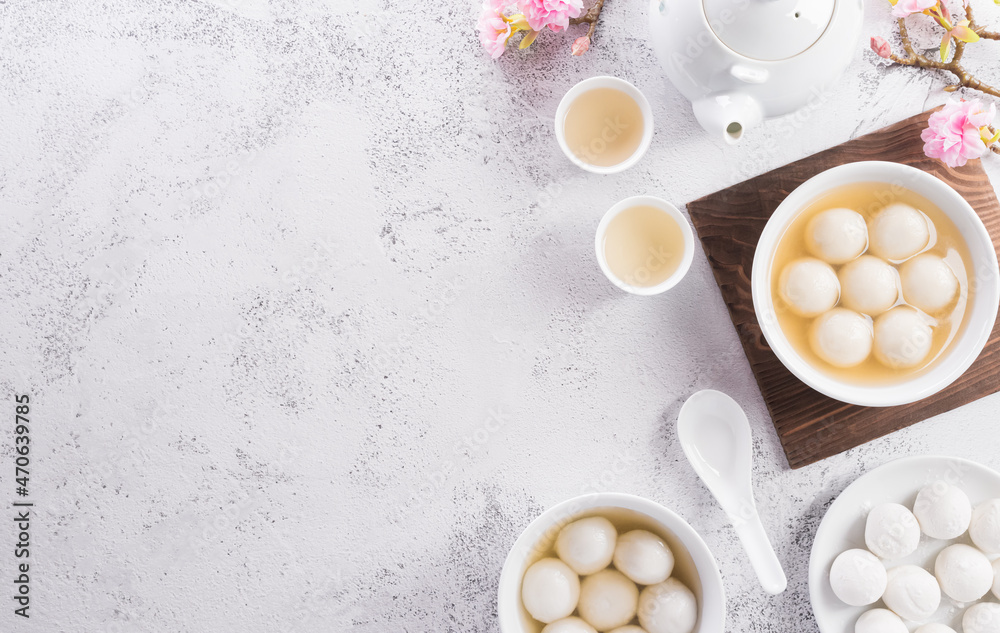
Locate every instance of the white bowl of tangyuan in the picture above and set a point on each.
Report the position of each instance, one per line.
(610, 562)
(876, 284)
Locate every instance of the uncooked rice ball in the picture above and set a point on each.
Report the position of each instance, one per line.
(912, 593)
(935, 627)
(858, 578)
(985, 527)
(964, 573)
(880, 621)
(943, 511)
(982, 618)
(891, 531)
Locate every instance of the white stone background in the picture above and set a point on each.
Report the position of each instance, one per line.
(266, 266)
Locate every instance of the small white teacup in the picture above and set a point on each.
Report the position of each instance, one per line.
(595, 138)
(645, 274)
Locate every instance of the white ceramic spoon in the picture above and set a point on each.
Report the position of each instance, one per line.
(715, 435)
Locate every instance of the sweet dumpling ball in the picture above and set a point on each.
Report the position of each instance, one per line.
(928, 283)
(868, 285)
(902, 338)
(880, 621)
(837, 235)
(669, 607)
(898, 232)
(569, 625)
(891, 531)
(982, 618)
(985, 527)
(550, 590)
(912, 593)
(964, 573)
(809, 287)
(587, 545)
(643, 557)
(858, 578)
(841, 337)
(608, 600)
(996, 578)
(943, 510)
(935, 627)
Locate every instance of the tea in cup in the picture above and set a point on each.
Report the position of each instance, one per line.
(604, 125)
(644, 245)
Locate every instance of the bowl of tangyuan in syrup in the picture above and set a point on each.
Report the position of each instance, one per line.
(876, 284)
(610, 563)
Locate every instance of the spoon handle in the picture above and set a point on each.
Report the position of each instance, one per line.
(762, 557)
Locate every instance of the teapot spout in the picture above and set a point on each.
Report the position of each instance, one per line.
(728, 114)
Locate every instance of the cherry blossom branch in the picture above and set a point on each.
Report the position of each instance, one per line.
(965, 78)
(980, 30)
(581, 45)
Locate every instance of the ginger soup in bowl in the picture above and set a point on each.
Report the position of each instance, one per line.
(876, 284)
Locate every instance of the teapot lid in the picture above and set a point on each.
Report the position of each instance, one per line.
(769, 30)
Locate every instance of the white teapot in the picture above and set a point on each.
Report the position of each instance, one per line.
(739, 61)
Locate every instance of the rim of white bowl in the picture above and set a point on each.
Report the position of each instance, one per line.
(711, 607)
(605, 81)
(669, 209)
(964, 350)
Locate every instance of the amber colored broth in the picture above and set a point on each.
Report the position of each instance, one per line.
(868, 199)
(603, 127)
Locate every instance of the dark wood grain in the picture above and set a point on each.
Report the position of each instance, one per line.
(812, 426)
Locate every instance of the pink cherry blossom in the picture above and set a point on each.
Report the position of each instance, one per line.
(954, 135)
(581, 46)
(494, 30)
(906, 8)
(554, 14)
(881, 47)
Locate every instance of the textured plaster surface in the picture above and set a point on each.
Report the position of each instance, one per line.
(268, 268)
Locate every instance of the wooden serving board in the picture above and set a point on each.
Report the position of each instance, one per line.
(812, 426)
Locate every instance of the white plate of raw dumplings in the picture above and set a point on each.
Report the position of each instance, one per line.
(911, 546)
